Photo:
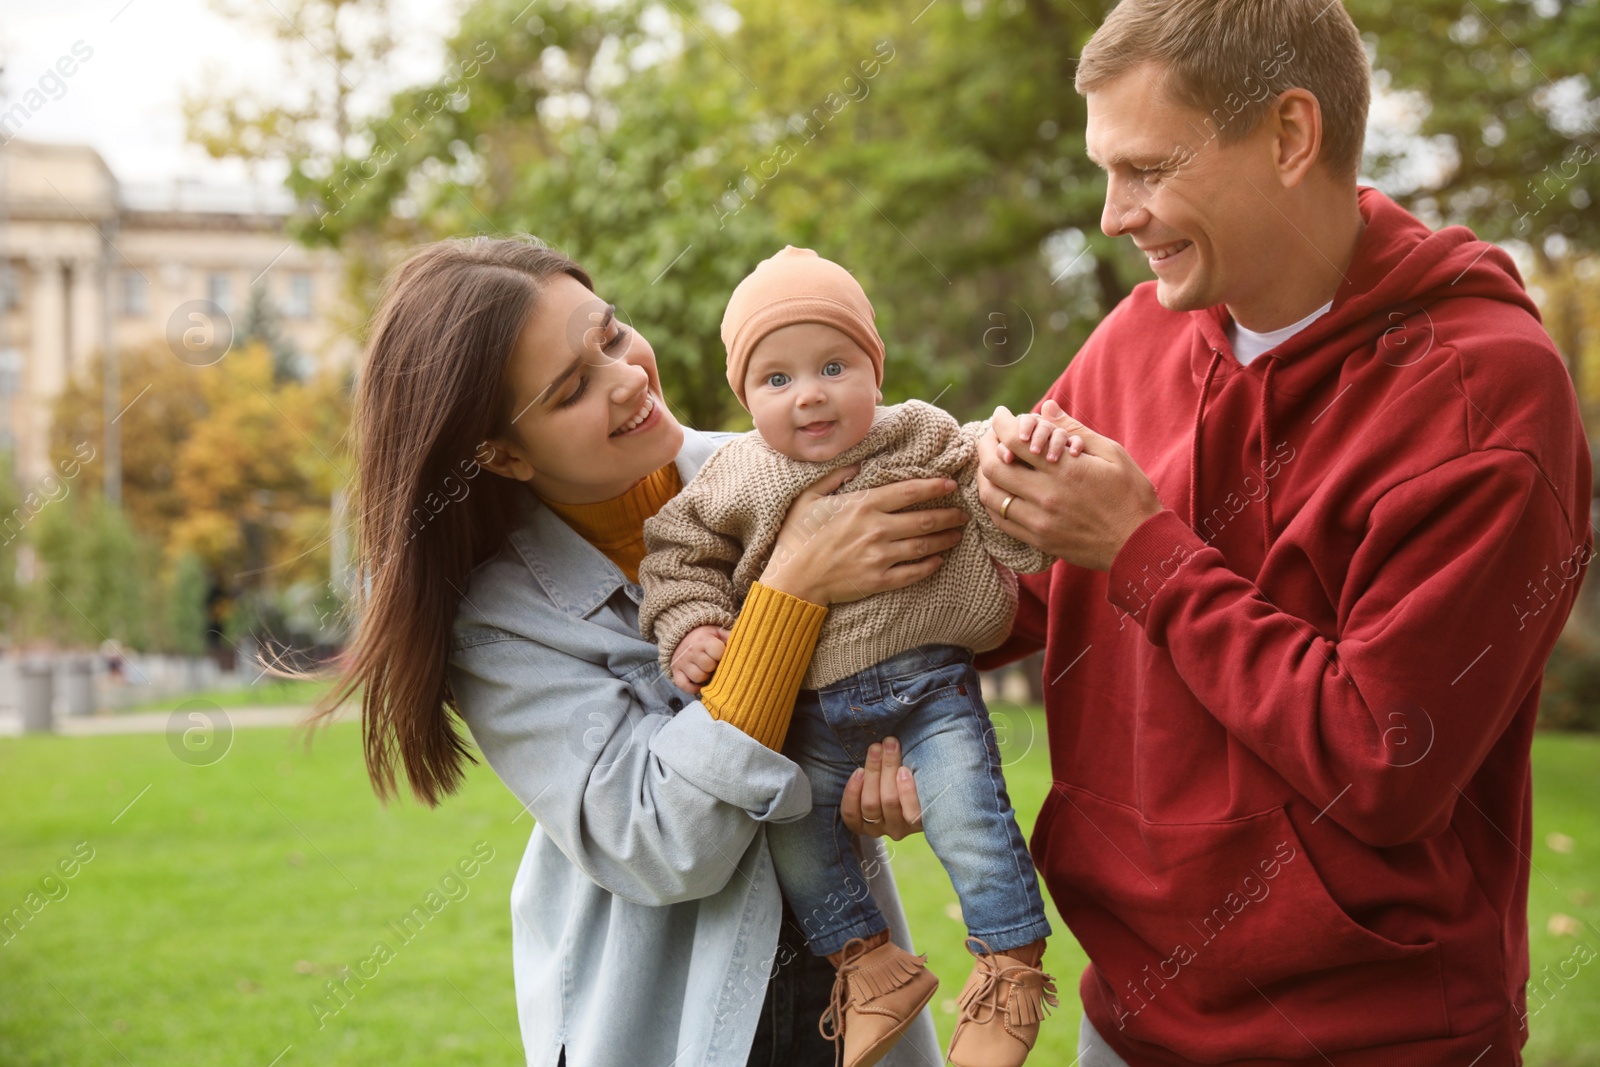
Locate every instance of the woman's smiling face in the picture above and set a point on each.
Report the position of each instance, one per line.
(588, 419)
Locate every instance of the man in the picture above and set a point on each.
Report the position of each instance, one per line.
(1331, 517)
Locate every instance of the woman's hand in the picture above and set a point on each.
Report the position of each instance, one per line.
(836, 548)
(880, 800)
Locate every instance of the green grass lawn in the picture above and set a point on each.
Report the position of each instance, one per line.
(269, 692)
(218, 901)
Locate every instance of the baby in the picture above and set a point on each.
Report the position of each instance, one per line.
(806, 360)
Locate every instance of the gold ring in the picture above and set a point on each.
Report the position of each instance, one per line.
(1006, 504)
(865, 819)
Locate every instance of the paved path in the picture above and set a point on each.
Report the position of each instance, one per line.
(155, 722)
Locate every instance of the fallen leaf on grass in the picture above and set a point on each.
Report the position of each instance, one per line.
(1564, 926)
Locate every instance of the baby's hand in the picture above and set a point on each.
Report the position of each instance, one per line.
(696, 657)
(1043, 438)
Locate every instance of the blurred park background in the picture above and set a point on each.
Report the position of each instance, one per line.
(197, 203)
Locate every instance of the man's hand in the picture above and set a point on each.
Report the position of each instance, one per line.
(695, 659)
(1081, 509)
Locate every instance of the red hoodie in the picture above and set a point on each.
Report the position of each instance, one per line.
(1289, 732)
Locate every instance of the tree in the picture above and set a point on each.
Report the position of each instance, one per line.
(669, 151)
(13, 521)
(1505, 94)
(227, 463)
(256, 474)
(161, 398)
(1567, 290)
(940, 157)
(328, 48)
(261, 325)
(333, 53)
(90, 584)
(186, 591)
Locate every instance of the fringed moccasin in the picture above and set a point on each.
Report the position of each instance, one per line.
(876, 995)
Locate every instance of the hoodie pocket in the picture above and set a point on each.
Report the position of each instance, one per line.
(1219, 940)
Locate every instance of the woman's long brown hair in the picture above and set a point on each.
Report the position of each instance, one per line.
(432, 389)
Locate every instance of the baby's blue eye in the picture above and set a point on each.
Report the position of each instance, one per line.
(834, 369)
(776, 380)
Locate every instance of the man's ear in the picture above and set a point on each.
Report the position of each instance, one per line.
(503, 458)
(1296, 121)
(880, 396)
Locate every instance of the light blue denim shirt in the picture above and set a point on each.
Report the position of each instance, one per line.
(645, 912)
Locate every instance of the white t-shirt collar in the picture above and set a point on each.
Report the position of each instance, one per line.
(1247, 344)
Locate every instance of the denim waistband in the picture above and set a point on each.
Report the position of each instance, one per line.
(907, 664)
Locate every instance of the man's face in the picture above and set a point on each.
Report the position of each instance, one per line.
(1198, 208)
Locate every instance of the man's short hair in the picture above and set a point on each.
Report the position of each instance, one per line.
(1231, 58)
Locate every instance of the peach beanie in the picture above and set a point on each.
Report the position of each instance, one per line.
(795, 286)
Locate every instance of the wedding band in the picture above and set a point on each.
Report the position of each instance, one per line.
(1006, 505)
(865, 819)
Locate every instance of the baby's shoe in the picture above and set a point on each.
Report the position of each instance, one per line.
(999, 1011)
(876, 995)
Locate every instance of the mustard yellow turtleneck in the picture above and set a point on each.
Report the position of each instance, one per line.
(616, 526)
(755, 685)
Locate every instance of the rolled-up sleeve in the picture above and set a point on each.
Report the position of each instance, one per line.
(656, 808)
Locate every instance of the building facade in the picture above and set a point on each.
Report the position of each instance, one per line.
(90, 267)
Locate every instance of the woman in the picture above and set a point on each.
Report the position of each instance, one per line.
(513, 438)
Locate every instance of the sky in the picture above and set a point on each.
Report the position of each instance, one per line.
(126, 99)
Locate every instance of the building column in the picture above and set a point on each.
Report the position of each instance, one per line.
(88, 307)
(47, 341)
(47, 363)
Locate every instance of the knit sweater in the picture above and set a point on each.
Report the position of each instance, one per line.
(756, 683)
(710, 543)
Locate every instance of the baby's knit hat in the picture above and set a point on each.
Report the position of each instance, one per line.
(795, 286)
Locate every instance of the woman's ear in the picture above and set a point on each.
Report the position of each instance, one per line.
(880, 396)
(503, 458)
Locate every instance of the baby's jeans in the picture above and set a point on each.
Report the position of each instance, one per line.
(929, 699)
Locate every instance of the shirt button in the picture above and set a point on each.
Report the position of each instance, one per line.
(676, 704)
